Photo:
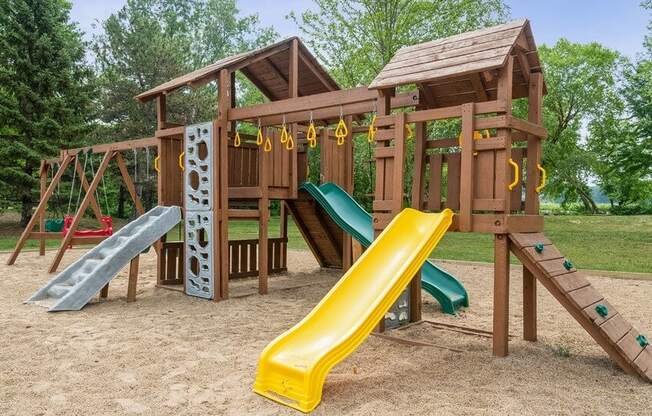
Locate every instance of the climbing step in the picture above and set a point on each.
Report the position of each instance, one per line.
(74, 287)
(624, 344)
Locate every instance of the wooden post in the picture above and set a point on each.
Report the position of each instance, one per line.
(131, 188)
(40, 209)
(293, 92)
(467, 167)
(104, 293)
(133, 279)
(504, 176)
(263, 212)
(221, 189)
(535, 115)
(384, 107)
(65, 242)
(43, 172)
(501, 296)
(347, 184)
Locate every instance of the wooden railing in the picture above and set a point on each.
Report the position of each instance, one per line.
(243, 255)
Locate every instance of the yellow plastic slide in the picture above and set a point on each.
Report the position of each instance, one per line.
(293, 367)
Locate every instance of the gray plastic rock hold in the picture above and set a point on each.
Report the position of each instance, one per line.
(74, 287)
(198, 167)
(198, 253)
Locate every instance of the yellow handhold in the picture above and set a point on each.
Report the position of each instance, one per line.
(292, 368)
(311, 136)
(341, 132)
(181, 161)
(236, 142)
(284, 134)
(409, 132)
(289, 144)
(268, 145)
(371, 133)
(544, 178)
(512, 185)
(259, 137)
(157, 159)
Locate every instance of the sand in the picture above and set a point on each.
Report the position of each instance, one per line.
(169, 354)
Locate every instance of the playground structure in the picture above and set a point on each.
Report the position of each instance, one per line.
(482, 183)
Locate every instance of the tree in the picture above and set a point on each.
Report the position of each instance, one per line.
(582, 90)
(45, 92)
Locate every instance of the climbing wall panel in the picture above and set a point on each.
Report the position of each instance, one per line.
(199, 275)
(198, 164)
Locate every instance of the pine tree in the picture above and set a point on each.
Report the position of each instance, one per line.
(46, 91)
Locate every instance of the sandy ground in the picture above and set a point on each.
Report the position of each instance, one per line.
(169, 354)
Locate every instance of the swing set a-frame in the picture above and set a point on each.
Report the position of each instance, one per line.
(77, 159)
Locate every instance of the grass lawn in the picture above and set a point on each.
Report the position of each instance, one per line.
(614, 243)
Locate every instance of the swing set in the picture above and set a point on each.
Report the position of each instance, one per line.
(67, 229)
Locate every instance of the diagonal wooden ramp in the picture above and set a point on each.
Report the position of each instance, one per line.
(624, 344)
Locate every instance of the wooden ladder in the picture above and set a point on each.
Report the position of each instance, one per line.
(596, 315)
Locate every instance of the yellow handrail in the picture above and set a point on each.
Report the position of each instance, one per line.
(516, 175)
(181, 161)
(157, 159)
(543, 179)
(410, 133)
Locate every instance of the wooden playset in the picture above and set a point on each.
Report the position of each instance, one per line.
(490, 176)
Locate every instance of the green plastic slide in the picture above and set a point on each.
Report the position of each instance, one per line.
(357, 222)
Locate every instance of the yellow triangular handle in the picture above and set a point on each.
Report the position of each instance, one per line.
(268, 145)
(236, 142)
(312, 135)
(289, 144)
(410, 132)
(371, 133)
(341, 132)
(284, 134)
(259, 137)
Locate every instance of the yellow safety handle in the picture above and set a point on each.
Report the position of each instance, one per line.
(289, 145)
(341, 132)
(516, 177)
(284, 134)
(544, 178)
(268, 145)
(371, 133)
(312, 136)
(259, 137)
(157, 159)
(410, 132)
(236, 142)
(181, 161)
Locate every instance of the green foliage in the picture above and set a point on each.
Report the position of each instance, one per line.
(45, 93)
(356, 38)
(582, 90)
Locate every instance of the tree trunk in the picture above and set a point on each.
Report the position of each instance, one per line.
(26, 201)
(588, 202)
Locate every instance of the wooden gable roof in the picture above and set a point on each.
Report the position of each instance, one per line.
(267, 68)
(462, 68)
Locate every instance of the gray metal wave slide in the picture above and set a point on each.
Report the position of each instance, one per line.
(357, 222)
(74, 287)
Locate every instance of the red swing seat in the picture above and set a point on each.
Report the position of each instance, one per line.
(106, 231)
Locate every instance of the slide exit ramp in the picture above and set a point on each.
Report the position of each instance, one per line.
(292, 368)
(74, 287)
(357, 222)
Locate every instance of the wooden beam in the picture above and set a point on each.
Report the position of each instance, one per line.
(161, 112)
(40, 209)
(258, 84)
(133, 279)
(467, 169)
(125, 145)
(525, 66)
(316, 71)
(479, 88)
(84, 184)
(428, 96)
(80, 211)
(220, 188)
(131, 188)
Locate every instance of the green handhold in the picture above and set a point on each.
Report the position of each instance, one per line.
(568, 264)
(602, 310)
(538, 248)
(642, 341)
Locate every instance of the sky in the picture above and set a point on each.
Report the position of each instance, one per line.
(617, 24)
